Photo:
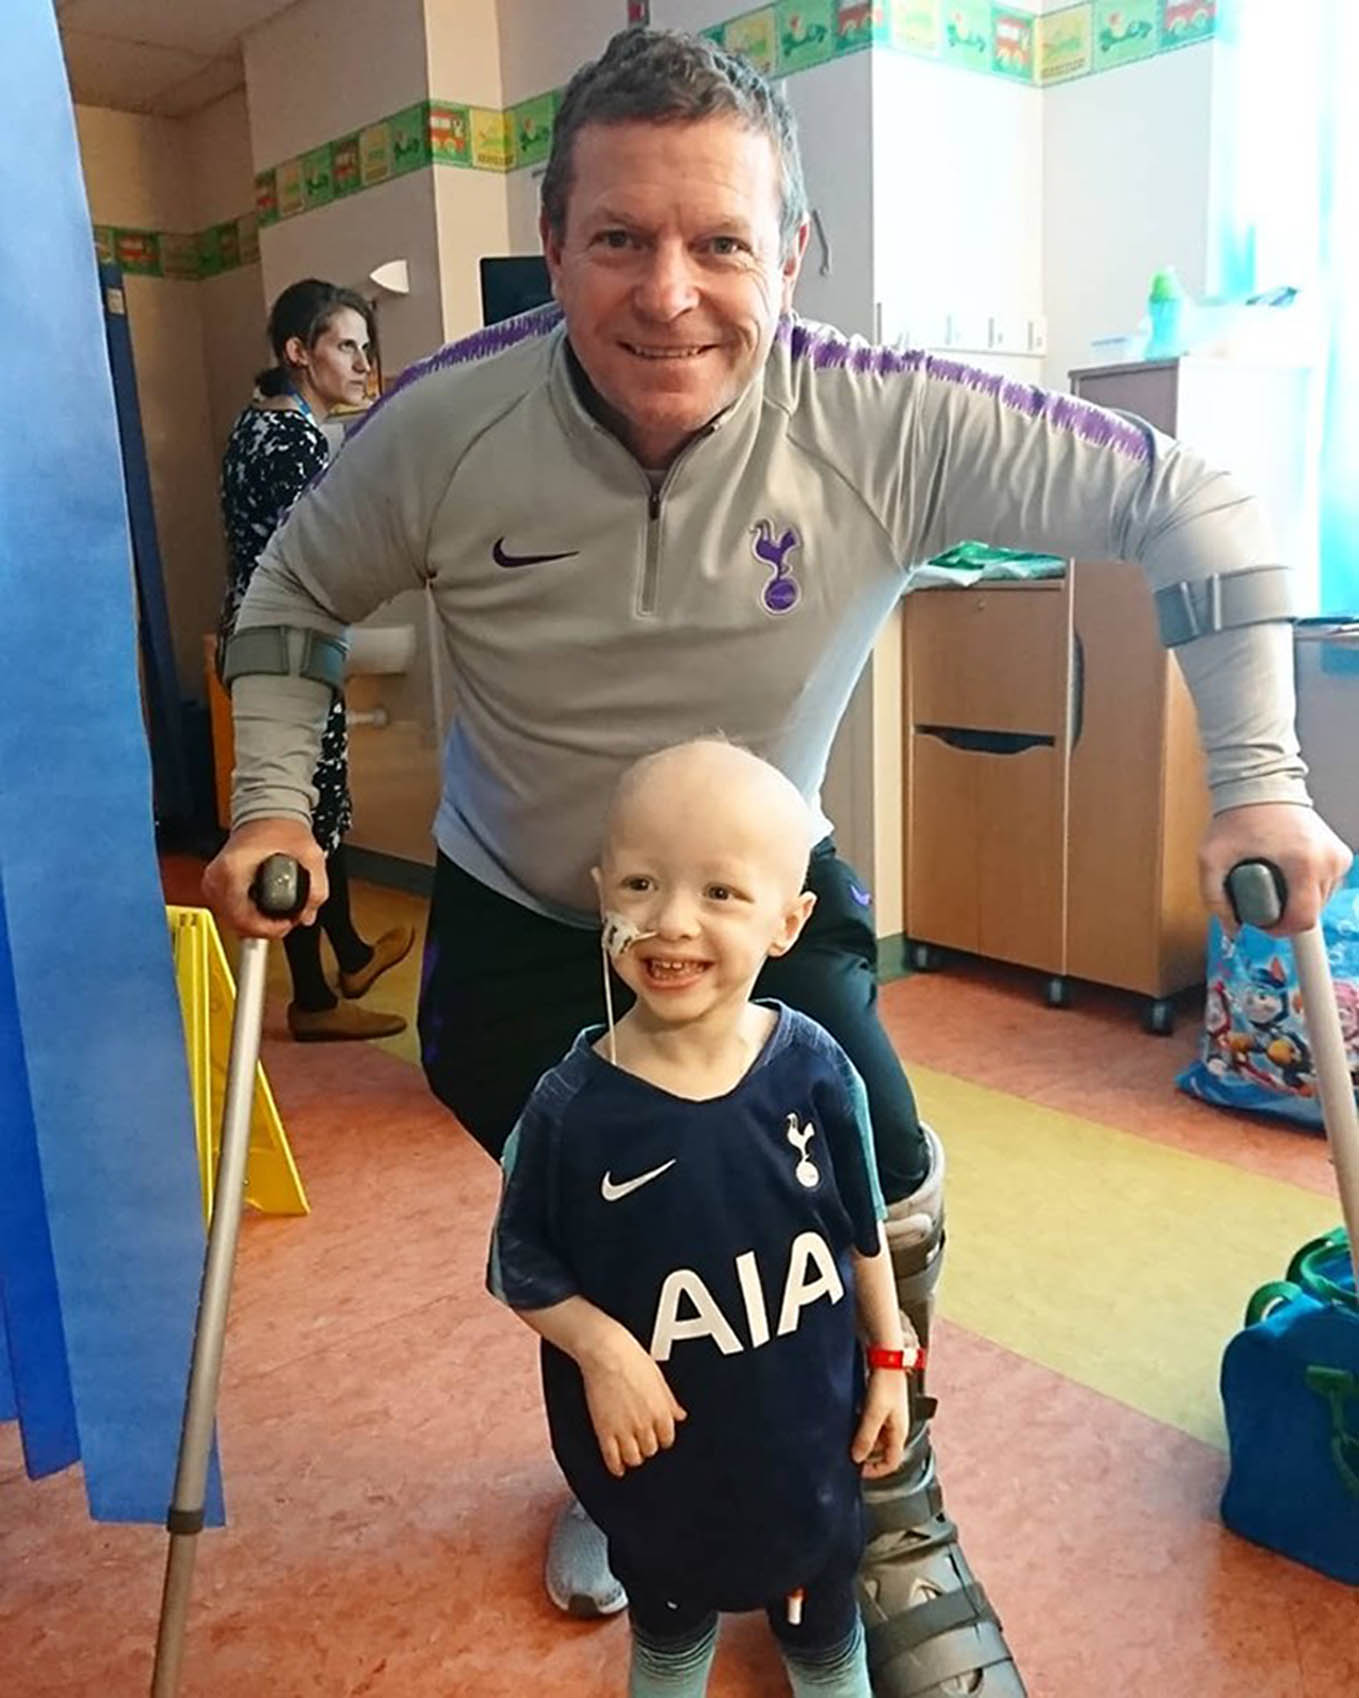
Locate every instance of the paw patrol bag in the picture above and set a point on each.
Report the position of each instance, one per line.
(1254, 1053)
(1290, 1378)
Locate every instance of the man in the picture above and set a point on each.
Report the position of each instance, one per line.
(670, 508)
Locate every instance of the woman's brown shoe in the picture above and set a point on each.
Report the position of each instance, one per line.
(341, 1023)
(391, 947)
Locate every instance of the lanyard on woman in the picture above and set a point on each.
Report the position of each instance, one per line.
(301, 400)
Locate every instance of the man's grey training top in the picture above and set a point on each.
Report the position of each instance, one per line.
(591, 619)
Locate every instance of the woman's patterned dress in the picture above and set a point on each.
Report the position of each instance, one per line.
(271, 456)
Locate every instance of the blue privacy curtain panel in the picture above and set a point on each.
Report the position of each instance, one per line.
(101, 1237)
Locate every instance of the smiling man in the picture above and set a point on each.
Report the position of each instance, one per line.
(663, 507)
(672, 269)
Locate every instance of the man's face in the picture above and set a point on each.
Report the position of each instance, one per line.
(669, 271)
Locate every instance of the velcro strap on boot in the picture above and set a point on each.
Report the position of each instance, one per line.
(1261, 595)
(915, 1289)
(916, 1267)
(967, 1607)
(915, 1506)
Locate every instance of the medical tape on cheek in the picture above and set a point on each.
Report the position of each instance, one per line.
(620, 934)
(617, 937)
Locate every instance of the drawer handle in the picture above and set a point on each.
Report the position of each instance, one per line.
(987, 742)
(1077, 687)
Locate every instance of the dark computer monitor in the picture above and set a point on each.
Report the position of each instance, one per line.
(513, 284)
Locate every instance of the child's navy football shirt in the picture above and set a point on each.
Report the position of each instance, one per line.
(719, 1233)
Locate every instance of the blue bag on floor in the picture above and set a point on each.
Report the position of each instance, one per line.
(1290, 1390)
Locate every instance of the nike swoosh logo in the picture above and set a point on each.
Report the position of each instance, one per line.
(611, 1192)
(500, 557)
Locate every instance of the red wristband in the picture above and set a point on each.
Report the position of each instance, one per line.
(879, 1356)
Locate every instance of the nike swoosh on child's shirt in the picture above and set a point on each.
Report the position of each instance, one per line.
(611, 1191)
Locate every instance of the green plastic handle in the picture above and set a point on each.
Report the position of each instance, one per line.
(1269, 1298)
(1337, 1386)
(1305, 1270)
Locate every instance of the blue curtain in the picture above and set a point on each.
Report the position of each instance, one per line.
(101, 1239)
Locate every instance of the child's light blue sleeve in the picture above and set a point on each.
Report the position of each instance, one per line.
(848, 1126)
(526, 1269)
(856, 1100)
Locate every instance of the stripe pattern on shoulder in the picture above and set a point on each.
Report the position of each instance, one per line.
(827, 350)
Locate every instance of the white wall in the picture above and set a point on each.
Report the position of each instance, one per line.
(1126, 189)
(522, 189)
(837, 162)
(957, 201)
(541, 47)
(220, 160)
(472, 213)
(314, 72)
(463, 43)
(232, 313)
(686, 14)
(232, 306)
(324, 67)
(542, 44)
(138, 173)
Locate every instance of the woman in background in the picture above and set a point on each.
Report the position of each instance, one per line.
(321, 336)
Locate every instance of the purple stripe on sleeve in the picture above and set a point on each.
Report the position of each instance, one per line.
(493, 339)
(828, 350)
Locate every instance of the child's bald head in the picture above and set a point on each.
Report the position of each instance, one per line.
(717, 798)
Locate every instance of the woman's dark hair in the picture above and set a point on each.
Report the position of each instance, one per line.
(304, 310)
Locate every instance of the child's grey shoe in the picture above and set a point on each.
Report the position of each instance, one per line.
(579, 1579)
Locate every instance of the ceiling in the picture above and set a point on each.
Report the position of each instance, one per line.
(167, 57)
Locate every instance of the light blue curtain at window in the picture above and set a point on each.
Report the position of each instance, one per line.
(1289, 170)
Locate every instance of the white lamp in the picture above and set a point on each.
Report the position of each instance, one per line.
(393, 277)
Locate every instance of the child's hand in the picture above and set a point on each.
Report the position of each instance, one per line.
(881, 1439)
(633, 1410)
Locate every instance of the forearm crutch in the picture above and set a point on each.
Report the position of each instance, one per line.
(1258, 894)
(279, 890)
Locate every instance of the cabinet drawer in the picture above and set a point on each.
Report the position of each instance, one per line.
(993, 659)
(986, 852)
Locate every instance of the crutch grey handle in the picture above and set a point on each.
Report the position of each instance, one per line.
(279, 889)
(1258, 893)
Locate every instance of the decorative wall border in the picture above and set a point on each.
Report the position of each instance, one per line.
(187, 258)
(1103, 35)
(431, 132)
(783, 38)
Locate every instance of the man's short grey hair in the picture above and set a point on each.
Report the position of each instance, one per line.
(667, 77)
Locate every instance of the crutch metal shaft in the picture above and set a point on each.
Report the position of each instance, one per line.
(276, 891)
(1258, 895)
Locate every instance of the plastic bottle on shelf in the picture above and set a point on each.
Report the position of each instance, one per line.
(1166, 307)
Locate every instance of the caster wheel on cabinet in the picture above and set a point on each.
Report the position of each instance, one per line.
(1057, 993)
(924, 958)
(1158, 1017)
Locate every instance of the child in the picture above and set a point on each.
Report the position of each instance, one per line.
(689, 1203)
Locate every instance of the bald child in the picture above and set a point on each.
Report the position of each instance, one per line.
(691, 1221)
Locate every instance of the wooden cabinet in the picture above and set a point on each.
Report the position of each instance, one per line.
(1055, 790)
(1137, 798)
(986, 731)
